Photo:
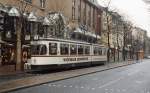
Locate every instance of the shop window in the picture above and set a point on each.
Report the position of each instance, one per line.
(53, 48)
(64, 49)
(73, 49)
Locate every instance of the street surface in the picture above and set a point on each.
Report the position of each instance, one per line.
(129, 79)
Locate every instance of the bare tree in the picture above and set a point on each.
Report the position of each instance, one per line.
(127, 37)
(18, 16)
(19, 25)
(108, 29)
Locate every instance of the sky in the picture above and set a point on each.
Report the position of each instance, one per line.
(134, 10)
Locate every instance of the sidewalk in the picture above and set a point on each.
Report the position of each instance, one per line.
(8, 70)
(37, 80)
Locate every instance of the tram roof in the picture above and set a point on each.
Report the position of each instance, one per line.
(64, 40)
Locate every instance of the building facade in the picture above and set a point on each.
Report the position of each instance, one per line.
(82, 14)
(139, 41)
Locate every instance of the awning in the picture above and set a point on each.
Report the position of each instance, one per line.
(46, 21)
(3, 42)
(25, 15)
(98, 37)
(92, 35)
(14, 12)
(78, 30)
(28, 45)
(32, 17)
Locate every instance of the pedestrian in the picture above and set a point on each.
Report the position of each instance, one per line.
(12, 56)
(137, 57)
(25, 56)
(24, 59)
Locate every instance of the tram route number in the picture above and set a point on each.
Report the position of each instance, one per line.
(76, 59)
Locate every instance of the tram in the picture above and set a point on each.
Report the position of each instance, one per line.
(53, 53)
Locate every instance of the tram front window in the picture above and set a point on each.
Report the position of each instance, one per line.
(38, 49)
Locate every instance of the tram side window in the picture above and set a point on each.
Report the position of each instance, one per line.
(34, 49)
(73, 49)
(87, 50)
(100, 51)
(39, 49)
(43, 50)
(80, 49)
(104, 51)
(64, 49)
(95, 50)
(53, 48)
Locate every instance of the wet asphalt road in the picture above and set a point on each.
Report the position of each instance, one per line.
(129, 79)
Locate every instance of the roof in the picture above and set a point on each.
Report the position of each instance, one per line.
(95, 3)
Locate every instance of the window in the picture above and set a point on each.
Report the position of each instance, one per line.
(42, 3)
(89, 14)
(0, 50)
(41, 30)
(95, 50)
(100, 51)
(73, 9)
(53, 48)
(87, 50)
(43, 50)
(79, 11)
(38, 49)
(64, 49)
(80, 49)
(73, 49)
(2, 21)
(104, 51)
(93, 17)
(29, 1)
(85, 12)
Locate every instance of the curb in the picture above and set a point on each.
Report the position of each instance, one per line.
(64, 78)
